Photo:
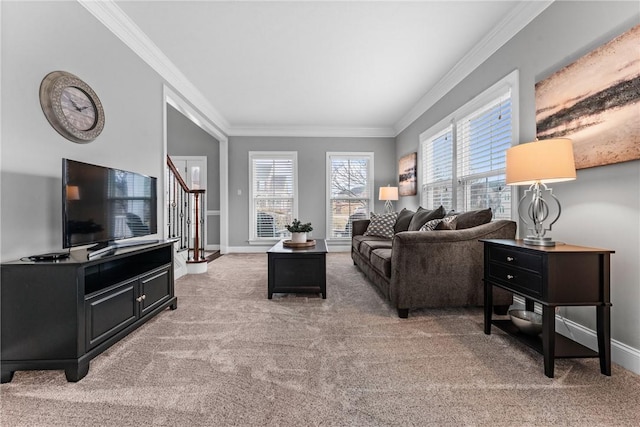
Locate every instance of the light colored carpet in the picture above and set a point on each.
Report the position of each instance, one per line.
(230, 356)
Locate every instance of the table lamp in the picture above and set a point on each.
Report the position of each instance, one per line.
(388, 194)
(537, 164)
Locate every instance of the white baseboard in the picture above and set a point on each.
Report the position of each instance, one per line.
(621, 353)
(339, 247)
(248, 249)
(258, 249)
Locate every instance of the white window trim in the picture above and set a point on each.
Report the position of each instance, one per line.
(370, 179)
(270, 155)
(510, 81)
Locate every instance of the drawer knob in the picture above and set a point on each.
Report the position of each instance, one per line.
(510, 258)
(139, 299)
(509, 276)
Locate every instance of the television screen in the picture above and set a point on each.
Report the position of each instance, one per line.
(101, 204)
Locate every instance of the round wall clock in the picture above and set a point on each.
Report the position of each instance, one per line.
(71, 106)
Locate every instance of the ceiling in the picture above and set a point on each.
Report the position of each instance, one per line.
(352, 67)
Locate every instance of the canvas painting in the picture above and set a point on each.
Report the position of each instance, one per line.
(408, 182)
(595, 101)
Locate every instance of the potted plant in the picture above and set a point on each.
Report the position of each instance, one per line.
(299, 231)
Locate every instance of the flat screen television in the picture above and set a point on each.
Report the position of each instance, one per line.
(101, 205)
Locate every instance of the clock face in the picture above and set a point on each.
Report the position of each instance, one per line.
(71, 107)
(78, 108)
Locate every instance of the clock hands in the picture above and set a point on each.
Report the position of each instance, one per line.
(76, 106)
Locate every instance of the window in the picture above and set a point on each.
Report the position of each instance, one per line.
(273, 193)
(463, 160)
(349, 191)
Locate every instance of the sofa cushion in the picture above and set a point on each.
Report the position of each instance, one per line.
(368, 246)
(357, 240)
(424, 215)
(473, 218)
(381, 261)
(404, 218)
(381, 225)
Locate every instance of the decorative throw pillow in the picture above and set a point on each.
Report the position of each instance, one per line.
(431, 225)
(424, 215)
(404, 218)
(448, 223)
(473, 218)
(381, 225)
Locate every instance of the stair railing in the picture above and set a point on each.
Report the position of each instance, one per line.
(185, 213)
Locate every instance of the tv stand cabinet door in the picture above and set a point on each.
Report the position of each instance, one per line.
(110, 311)
(156, 288)
(39, 311)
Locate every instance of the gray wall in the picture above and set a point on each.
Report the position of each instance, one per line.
(602, 207)
(40, 37)
(311, 176)
(185, 138)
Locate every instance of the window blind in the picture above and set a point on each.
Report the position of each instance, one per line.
(463, 157)
(272, 194)
(350, 190)
(482, 140)
(437, 154)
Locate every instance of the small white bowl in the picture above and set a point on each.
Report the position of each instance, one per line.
(526, 321)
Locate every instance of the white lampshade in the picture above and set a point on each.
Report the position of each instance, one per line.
(545, 161)
(388, 193)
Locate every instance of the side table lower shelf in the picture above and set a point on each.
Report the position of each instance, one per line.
(564, 347)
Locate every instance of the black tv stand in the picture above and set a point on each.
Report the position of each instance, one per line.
(61, 314)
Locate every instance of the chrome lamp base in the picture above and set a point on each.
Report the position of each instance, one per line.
(388, 206)
(538, 212)
(539, 241)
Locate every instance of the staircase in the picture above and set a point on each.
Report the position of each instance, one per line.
(185, 223)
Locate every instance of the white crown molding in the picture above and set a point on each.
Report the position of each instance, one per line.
(301, 131)
(515, 21)
(114, 18)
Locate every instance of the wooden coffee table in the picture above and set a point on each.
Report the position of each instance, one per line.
(298, 269)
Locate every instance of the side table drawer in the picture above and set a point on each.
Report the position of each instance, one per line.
(516, 258)
(520, 279)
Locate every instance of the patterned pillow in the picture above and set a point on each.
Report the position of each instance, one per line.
(381, 225)
(430, 225)
(446, 223)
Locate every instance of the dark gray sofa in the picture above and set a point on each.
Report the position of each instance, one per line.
(421, 269)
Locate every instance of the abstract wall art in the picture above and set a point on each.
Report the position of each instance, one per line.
(595, 101)
(408, 182)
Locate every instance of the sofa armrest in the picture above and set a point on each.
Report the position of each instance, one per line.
(441, 264)
(359, 226)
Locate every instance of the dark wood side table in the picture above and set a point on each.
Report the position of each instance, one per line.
(563, 275)
(298, 269)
